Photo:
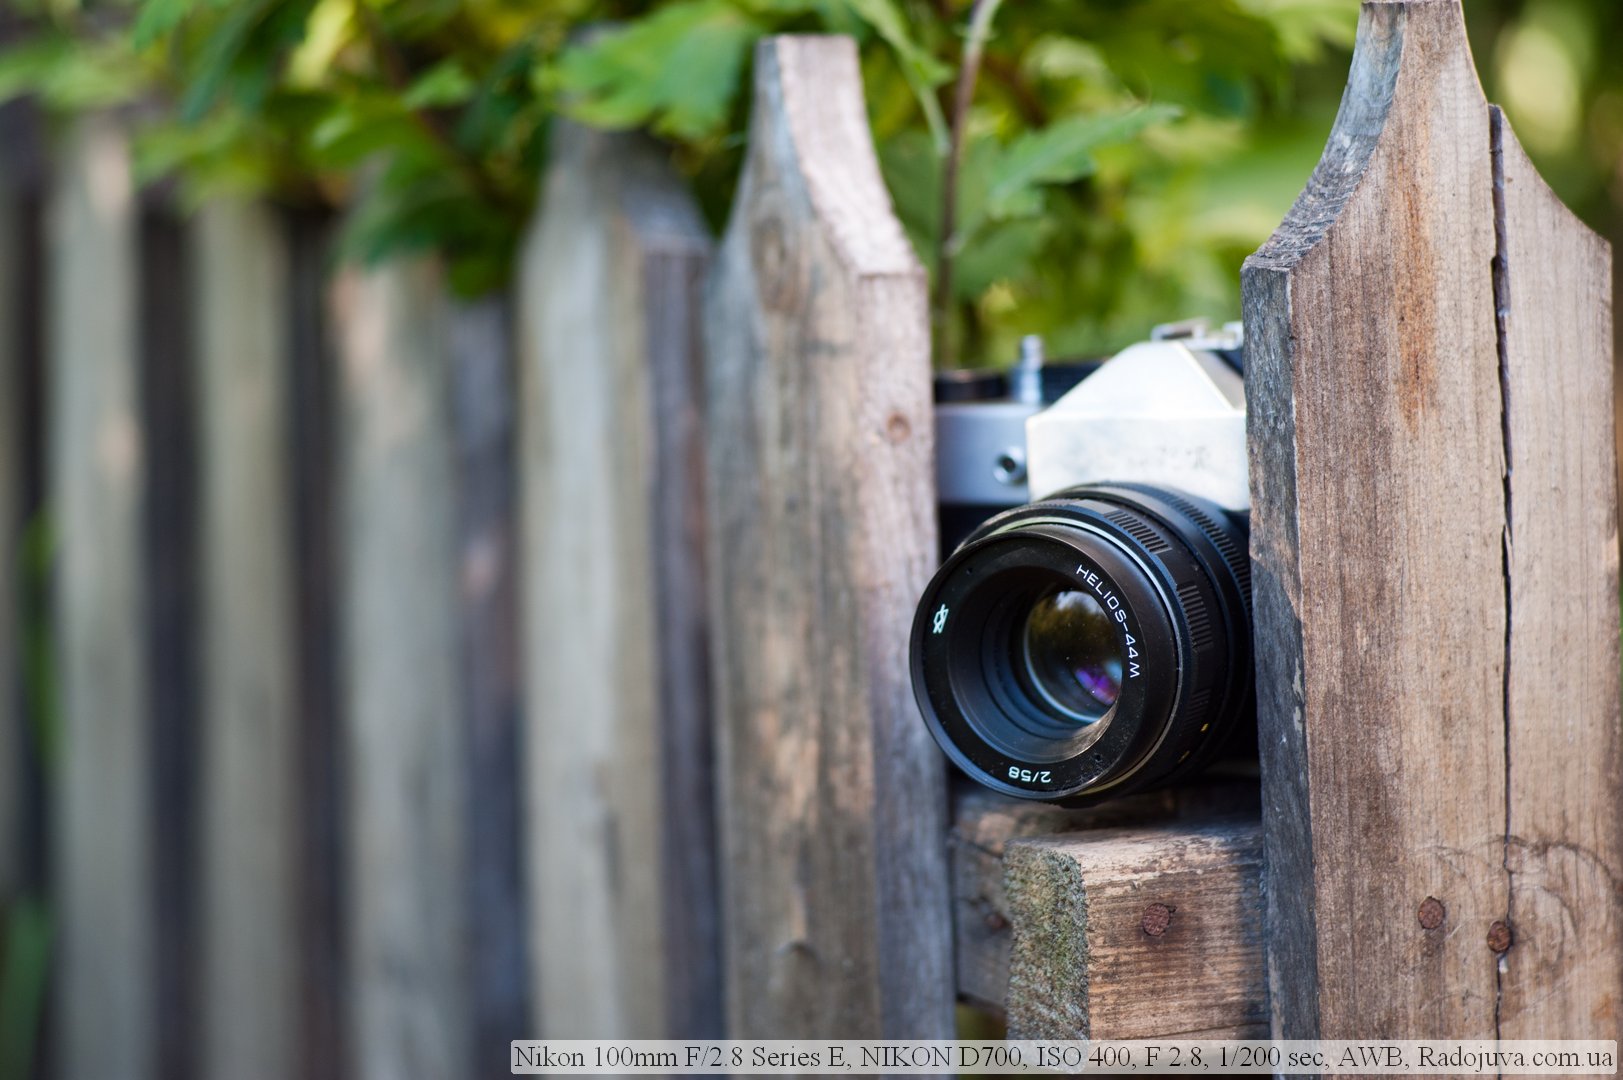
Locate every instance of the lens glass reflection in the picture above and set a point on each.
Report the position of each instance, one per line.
(1071, 655)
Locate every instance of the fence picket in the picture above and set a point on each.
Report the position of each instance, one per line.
(1437, 713)
(1565, 831)
(103, 843)
(13, 736)
(821, 538)
(621, 852)
(404, 741)
(319, 875)
(248, 810)
(481, 344)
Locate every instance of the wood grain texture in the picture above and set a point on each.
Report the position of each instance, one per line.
(822, 536)
(481, 344)
(985, 824)
(406, 913)
(102, 808)
(248, 813)
(1382, 541)
(1563, 976)
(1138, 933)
(618, 762)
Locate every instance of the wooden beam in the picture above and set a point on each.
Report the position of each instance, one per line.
(624, 918)
(822, 536)
(102, 805)
(249, 790)
(1410, 652)
(986, 824)
(1138, 933)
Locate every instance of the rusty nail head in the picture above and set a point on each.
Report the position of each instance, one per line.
(1432, 913)
(1499, 936)
(996, 920)
(1157, 917)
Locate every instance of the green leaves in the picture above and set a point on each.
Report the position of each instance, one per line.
(25, 959)
(922, 71)
(1059, 154)
(160, 17)
(1080, 211)
(442, 85)
(676, 71)
(71, 75)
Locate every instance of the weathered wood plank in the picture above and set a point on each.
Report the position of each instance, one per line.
(249, 789)
(1404, 704)
(405, 742)
(312, 473)
(822, 535)
(171, 588)
(1138, 933)
(985, 824)
(618, 772)
(1377, 533)
(1563, 976)
(23, 131)
(481, 343)
(102, 806)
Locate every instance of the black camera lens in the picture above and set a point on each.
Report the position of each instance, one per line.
(1089, 645)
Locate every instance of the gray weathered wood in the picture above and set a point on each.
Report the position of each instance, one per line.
(1401, 679)
(622, 848)
(985, 824)
(249, 790)
(23, 863)
(481, 344)
(406, 918)
(105, 974)
(171, 583)
(822, 536)
(314, 390)
(1563, 975)
(1138, 933)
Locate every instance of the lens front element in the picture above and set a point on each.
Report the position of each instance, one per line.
(1071, 656)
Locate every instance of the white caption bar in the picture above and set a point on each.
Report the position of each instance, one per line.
(779, 1057)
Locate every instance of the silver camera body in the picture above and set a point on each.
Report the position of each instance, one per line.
(1169, 411)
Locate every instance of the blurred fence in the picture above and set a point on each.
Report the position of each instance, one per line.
(417, 675)
(318, 531)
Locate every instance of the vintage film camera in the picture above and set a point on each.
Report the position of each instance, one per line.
(1097, 640)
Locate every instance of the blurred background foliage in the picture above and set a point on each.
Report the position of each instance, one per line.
(1110, 162)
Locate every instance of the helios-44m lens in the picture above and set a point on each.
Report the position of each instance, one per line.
(1092, 644)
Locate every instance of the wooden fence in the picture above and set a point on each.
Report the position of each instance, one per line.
(431, 674)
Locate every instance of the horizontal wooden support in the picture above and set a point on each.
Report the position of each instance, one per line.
(1133, 920)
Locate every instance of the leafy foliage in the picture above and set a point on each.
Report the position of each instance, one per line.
(1111, 158)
